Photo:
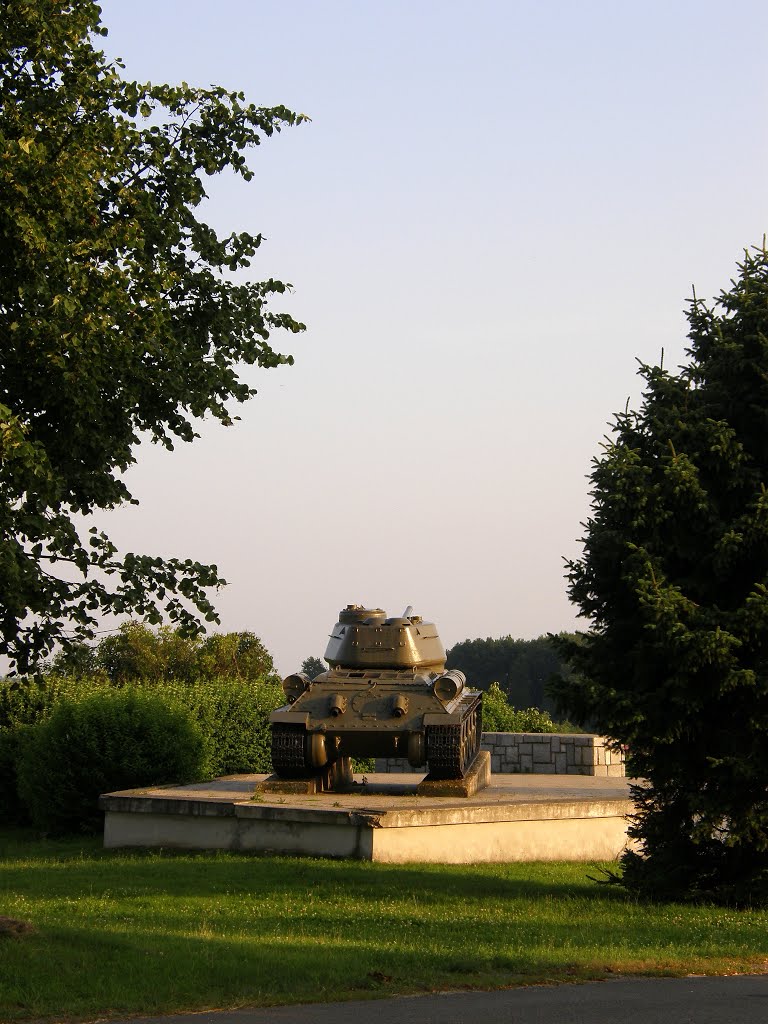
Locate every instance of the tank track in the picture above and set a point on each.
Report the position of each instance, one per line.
(451, 749)
(289, 750)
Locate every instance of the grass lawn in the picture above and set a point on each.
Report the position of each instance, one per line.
(155, 932)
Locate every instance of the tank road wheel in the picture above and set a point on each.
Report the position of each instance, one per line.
(289, 744)
(451, 749)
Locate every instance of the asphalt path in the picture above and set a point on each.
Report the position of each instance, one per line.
(734, 1000)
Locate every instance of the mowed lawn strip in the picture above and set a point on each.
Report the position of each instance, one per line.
(120, 933)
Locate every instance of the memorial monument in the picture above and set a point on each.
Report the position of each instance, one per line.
(387, 693)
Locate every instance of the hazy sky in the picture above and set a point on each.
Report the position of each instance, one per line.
(497, 208)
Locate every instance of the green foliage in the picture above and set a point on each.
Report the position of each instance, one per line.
(238, 655)
(231, 713)
(499, 716)
(12, 808)
(674, 579)
(138, 652)
(120, 317)
(313, 667)
(233, 717)
(25, 701)
(77, 660)
(174, 931)
(522, 668)
(114, 739)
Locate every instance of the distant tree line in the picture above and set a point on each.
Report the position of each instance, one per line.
(522, 668)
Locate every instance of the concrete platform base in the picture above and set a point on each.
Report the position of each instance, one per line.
(517, 818)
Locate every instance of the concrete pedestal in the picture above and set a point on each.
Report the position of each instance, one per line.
(516, 818)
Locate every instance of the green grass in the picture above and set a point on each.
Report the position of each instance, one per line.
(154, 932)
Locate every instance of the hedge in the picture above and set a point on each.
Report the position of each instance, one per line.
(231, 717)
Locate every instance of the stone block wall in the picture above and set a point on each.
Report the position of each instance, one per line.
(538, 753)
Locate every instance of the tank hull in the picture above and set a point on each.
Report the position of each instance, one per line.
(447, 745)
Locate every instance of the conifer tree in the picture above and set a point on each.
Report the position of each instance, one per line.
(674, 580)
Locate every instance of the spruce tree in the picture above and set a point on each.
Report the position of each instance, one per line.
(674, 581)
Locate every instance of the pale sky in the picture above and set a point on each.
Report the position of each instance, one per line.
(497, 208)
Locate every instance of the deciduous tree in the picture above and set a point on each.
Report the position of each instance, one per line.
(136, 652)
(313, 667)
(120, 317)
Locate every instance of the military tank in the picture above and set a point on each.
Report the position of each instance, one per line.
(387, 693)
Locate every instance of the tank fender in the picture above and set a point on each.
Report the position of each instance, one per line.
(439, 718)
(288, 717)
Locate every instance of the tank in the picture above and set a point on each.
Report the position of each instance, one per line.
(387, 693)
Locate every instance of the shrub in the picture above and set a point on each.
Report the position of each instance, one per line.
(498, 716)
(233, 717)
(106, 740)
(25, 701)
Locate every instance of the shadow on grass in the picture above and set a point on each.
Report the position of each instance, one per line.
(157, 931)
(76, 865)
(153, 972)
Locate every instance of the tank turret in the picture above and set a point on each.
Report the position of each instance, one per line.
(387, 693)
(366, 638)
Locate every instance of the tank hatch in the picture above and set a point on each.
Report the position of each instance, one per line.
(367, 638)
